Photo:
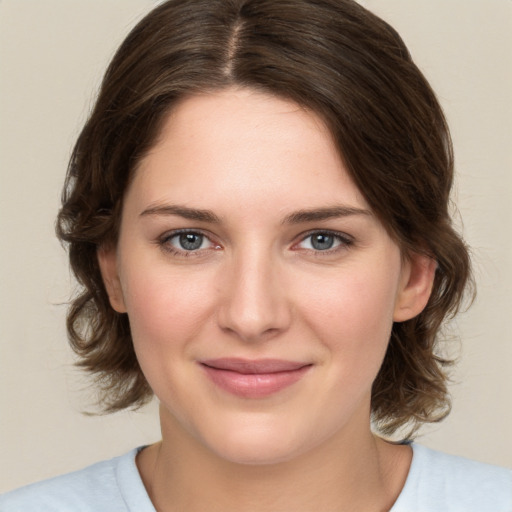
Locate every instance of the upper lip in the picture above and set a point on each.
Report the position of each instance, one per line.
(249, 366)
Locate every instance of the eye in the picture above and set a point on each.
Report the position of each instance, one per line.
(324, 241)
(186, 242)
(189, 241)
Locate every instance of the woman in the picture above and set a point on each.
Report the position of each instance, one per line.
(257, 213)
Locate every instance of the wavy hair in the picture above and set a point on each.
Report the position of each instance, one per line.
(331, 56)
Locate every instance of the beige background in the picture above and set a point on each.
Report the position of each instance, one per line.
(52, 54)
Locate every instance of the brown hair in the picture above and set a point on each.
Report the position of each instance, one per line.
(331, 56)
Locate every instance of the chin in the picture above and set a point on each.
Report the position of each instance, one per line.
(257, 444)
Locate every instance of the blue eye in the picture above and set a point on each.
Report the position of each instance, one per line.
(185, 242)
(324, 241)
(190, 241)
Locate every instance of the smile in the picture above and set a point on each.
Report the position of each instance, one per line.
(253, 379)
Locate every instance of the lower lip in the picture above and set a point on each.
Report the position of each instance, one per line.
(254, 385)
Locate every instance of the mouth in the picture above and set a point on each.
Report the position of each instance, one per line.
(254, 378)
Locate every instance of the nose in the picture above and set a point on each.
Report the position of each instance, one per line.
(254, 304)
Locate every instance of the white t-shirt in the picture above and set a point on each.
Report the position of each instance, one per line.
(437, 482)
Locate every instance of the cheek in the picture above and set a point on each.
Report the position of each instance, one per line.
(353, 312)
(165, 308)
(167, 311)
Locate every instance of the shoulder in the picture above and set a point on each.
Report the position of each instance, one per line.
(112, 485)
(439, 481)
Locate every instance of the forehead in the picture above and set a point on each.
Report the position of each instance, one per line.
(237, 117)
(240, 143)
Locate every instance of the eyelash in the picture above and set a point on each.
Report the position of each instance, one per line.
(165, 245)
(343, 242)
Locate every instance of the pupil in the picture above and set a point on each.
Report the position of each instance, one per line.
(321, 242)
(191, 241)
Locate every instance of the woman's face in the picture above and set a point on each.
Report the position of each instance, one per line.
(260, 288)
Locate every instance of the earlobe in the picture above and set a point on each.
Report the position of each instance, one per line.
(417, 280)
(107, 260)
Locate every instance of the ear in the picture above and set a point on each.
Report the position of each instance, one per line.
(418, 272)
(107, 259)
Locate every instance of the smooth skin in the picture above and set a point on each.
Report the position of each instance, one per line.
(242, 235)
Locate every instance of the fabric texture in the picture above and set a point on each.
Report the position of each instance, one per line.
(437, 482)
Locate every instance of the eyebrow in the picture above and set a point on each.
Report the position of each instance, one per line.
(319, 214)
(298, 217)
(182, 211)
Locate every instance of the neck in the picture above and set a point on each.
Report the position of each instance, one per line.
(356, 472)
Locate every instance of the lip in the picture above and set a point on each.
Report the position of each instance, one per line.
(254, 378)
